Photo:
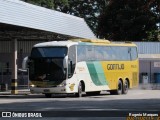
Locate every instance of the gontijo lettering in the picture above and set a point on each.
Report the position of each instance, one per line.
(115, 66)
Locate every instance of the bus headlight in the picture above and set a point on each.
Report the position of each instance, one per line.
(61, 85)
(32, 85)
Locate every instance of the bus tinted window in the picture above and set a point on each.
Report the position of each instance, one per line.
(123, 53)
(90, 54)
(99, 53)
(81, 53)
(48, 52)
(134, 54)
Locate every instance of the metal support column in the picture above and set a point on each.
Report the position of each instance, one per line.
(14, 67)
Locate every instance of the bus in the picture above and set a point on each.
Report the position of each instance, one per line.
(82, 66)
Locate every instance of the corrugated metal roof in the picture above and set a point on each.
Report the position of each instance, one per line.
(148, 47)
(19, 13)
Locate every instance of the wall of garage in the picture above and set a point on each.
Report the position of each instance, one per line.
(24, 48)
(151, 67)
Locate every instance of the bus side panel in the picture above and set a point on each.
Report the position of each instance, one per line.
(115, 70)
(93, 76)
(135, 73)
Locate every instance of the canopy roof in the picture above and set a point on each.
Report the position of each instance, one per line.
(19, 13)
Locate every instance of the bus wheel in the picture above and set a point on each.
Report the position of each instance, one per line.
(120, 87)
(125, 87)
(119, 90)
(79, 94)
(48, 95)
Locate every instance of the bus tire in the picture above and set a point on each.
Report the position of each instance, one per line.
(125, 87)
(93, 93)
(79, 94)
(119, 90)
(120, 87)
(48, 95)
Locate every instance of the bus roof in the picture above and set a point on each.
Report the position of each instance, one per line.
(56, 43)
(92, 40)
(103, 42)
(84, 42)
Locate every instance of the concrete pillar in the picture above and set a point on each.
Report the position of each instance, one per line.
(14, 67)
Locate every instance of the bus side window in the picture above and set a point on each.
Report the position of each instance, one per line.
(90, 53)
(124, 53)
(81, 53)
(71, 60)
(112, 53)
(134, 54)
(106, 55)
(99, 53)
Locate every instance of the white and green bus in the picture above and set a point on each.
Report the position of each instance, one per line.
(82, 66)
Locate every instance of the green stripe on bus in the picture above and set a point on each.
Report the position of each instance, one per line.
(100, 72)
(97, 74)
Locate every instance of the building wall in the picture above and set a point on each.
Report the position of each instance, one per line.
(149, 53)
(24, 48)
(149, 67)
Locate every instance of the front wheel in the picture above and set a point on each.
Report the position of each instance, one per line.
(79, 94)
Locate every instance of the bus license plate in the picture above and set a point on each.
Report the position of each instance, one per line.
(46, 90)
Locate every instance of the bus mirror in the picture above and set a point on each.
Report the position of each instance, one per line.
(25, 63)
(65, 62)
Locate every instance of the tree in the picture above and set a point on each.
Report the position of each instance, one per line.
(130, 20)
(87, 9)
(51, 4)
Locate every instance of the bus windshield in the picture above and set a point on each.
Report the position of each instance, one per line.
(46, 64)
(49, 52)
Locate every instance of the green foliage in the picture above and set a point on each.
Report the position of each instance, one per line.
(130, 20)
(153, 35)
(51, 4)
(87, 9)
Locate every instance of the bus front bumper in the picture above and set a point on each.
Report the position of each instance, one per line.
(52, 90)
